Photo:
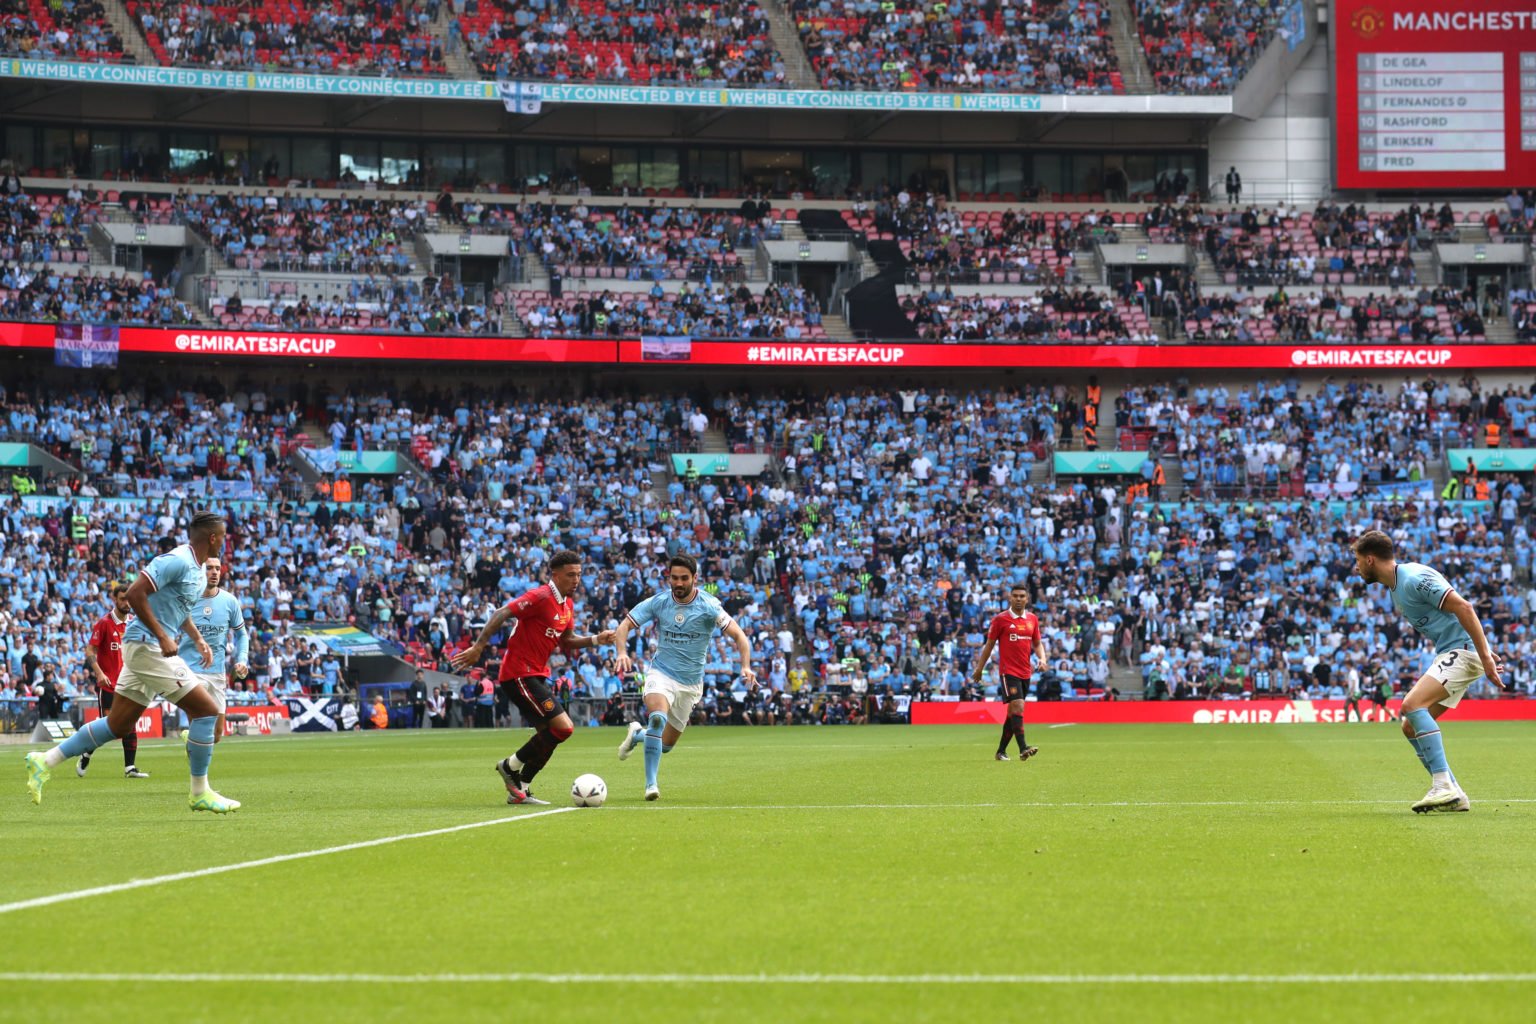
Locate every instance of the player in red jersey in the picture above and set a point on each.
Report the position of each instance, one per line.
(542, 620)
(104, 661)
(1016, 634)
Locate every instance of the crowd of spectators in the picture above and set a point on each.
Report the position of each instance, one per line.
(1411, 316)
(1204, 46)
(1050, 46)
(41, 293)
(58, 30)
(1285, 245)
(349, 37)
(650, 243)
(940, 243)
(713, 310)
(721, 42)
(1277, 442)
(1515, 222)
(1056, 314)
(47, 228)
(271, 232)
(431, 305)
(876, 551)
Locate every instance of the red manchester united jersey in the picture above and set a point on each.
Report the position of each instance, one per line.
(539, 619)
(1016, 637)
(107, 635)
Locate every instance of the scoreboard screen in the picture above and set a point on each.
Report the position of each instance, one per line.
(1434, 94)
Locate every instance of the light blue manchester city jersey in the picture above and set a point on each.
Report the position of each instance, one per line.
(218, 619)
(683, 633)
(1419, 593)
(179, 581)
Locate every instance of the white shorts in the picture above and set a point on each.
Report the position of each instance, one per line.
(680, 698)
(148, 674)
(214, 685)
(1456, 671)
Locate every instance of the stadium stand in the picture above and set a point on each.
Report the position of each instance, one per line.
(983, 245)
(1203, 46)
(1054, 46)
(721, 43)
(361, 37)
(352, 236)
(846, 551)
(650, 243)
(77, 30)
(713, 311)
(1052, 314)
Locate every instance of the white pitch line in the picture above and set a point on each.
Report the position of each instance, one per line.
(266, 978)
(967, 806)
(181, 876)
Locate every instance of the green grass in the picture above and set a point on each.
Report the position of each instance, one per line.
(1126, 850)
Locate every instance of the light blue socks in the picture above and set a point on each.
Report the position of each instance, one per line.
(95, 734)
(200, 745)
(653, 748)
(1426, 740)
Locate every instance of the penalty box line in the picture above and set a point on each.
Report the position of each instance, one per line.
(266, 978)
(283, 858)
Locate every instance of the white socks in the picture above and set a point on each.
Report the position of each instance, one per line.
(199, 785)
(55, 757)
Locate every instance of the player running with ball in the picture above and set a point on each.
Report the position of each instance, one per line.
(686, 619)
(542, 620)
(1432, 606)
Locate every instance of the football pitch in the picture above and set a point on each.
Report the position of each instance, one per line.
(1148, 873)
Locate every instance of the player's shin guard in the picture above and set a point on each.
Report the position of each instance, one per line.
(200, 750)
(1018, 731)
(1002, 744)
(86, 740)
(653, 729)
(1426, 737)
(130, 750)
(1424, 759)
(535, 754)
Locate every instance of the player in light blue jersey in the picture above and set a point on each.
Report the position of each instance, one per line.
(1431, 606)
(162, 599)
(221, 622)
(686, 619)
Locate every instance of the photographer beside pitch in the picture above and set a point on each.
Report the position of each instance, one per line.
(1462, 656)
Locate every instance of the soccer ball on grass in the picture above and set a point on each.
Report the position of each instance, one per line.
(589, 791)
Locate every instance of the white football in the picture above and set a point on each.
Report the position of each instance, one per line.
(589, 791)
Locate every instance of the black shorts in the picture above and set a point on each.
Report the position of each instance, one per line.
(533, 697)
(104, 701)
(1013, 688)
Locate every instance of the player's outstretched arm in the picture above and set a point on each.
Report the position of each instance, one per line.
(623, 664)
(571, 640)
(1467, 616)
(744, 648)
(981, 660)
(470, 656)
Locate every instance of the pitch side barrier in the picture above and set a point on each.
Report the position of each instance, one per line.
(326, 346)
(1199, 712)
